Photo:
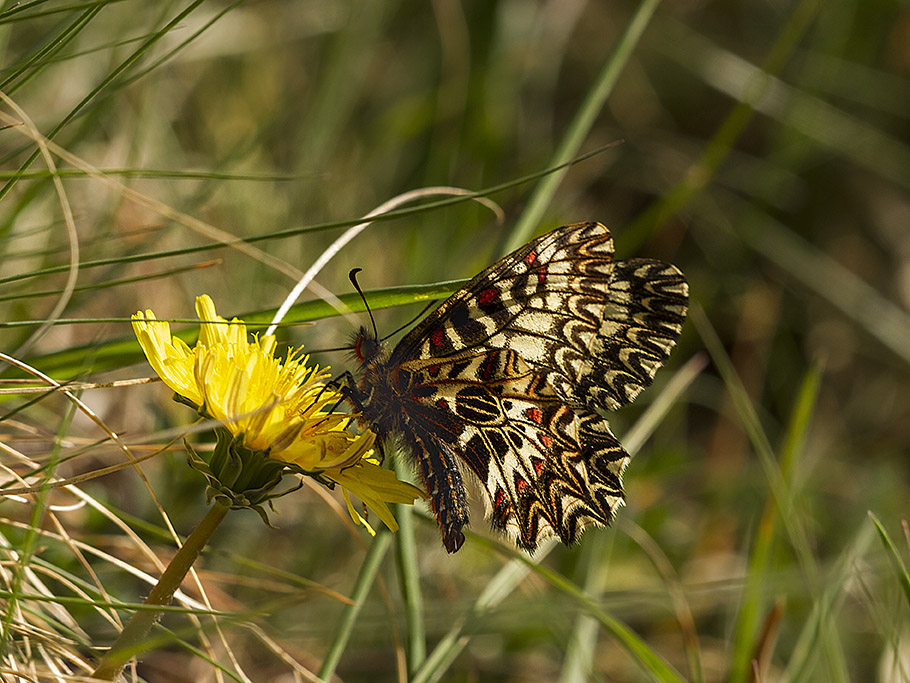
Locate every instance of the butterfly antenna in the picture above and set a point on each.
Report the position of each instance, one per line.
(412, 320)
(352, 276)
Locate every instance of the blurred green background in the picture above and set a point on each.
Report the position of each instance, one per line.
(781, 194)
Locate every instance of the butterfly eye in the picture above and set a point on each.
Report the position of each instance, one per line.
(366, 346)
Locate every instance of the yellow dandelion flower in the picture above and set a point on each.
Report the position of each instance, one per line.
(276, 413)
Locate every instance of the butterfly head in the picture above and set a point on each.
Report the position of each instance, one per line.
(367, 346)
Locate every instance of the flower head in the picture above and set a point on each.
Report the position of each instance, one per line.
(276, 414)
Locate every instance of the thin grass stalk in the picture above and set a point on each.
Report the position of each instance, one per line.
(42, 57)
(886, 322)
(409, 577)
(108, 284)
(181, 46)
(362, 586)
(760, 443)
(833, 128)
(900, 569)
(272, 235)
(121, 68)
(796, 532)
(702, 171)
(27, 548)
(581, 125)
(650, 662)
(578, 661)
(806, 651)
(745, 636)
(455, 640)
(677, 597)
(124, 351)
(342, 77)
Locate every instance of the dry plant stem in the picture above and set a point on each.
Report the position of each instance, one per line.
(129, 643)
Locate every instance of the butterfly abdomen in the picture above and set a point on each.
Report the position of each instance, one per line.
(394, 403)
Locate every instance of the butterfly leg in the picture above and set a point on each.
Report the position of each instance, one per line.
(346, 385)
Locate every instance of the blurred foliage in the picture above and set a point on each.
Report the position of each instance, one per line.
(783, 198)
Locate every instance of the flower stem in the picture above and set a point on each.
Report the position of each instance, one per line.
(130, 641)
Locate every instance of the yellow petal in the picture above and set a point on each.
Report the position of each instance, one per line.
(376, 486)
(170, 357)
(360, 519)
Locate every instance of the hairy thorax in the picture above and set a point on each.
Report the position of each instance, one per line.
(383, 391)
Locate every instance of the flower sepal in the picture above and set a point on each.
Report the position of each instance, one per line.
(240, 477)
(183, 400)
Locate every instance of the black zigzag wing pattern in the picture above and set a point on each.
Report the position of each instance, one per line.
(595, 328)
(505, 379)
(549, 469)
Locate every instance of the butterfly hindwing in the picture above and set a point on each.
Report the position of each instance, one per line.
(506, 377)
(548, 469)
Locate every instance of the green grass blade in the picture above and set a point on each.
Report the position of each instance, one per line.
(649, 660)
(754, 598)
(125, 350)
(779, 487)
(409, 576)
(40, 58)
(832, 128)
(843, 289)
(105, 82)
(581, 125)
(362, 586)
(718, 148)
(824, 609)
(903, 576)
(759, 440)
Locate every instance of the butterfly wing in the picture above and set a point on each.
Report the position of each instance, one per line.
(548, 469)
(594, 329)
(507, 376)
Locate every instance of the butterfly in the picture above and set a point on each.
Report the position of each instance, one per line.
(507, 379)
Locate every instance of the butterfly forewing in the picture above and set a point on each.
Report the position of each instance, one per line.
(596, 329)
(506, 376)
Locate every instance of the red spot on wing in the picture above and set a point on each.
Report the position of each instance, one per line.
(488, 295)
(434, 370)
(437, 337)
(501, 506)
(546, 441)
(521, 486)
(534, 415)
(441, 403)
(531, 258)
(539, 466)
(489, 368)
(541, 275)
